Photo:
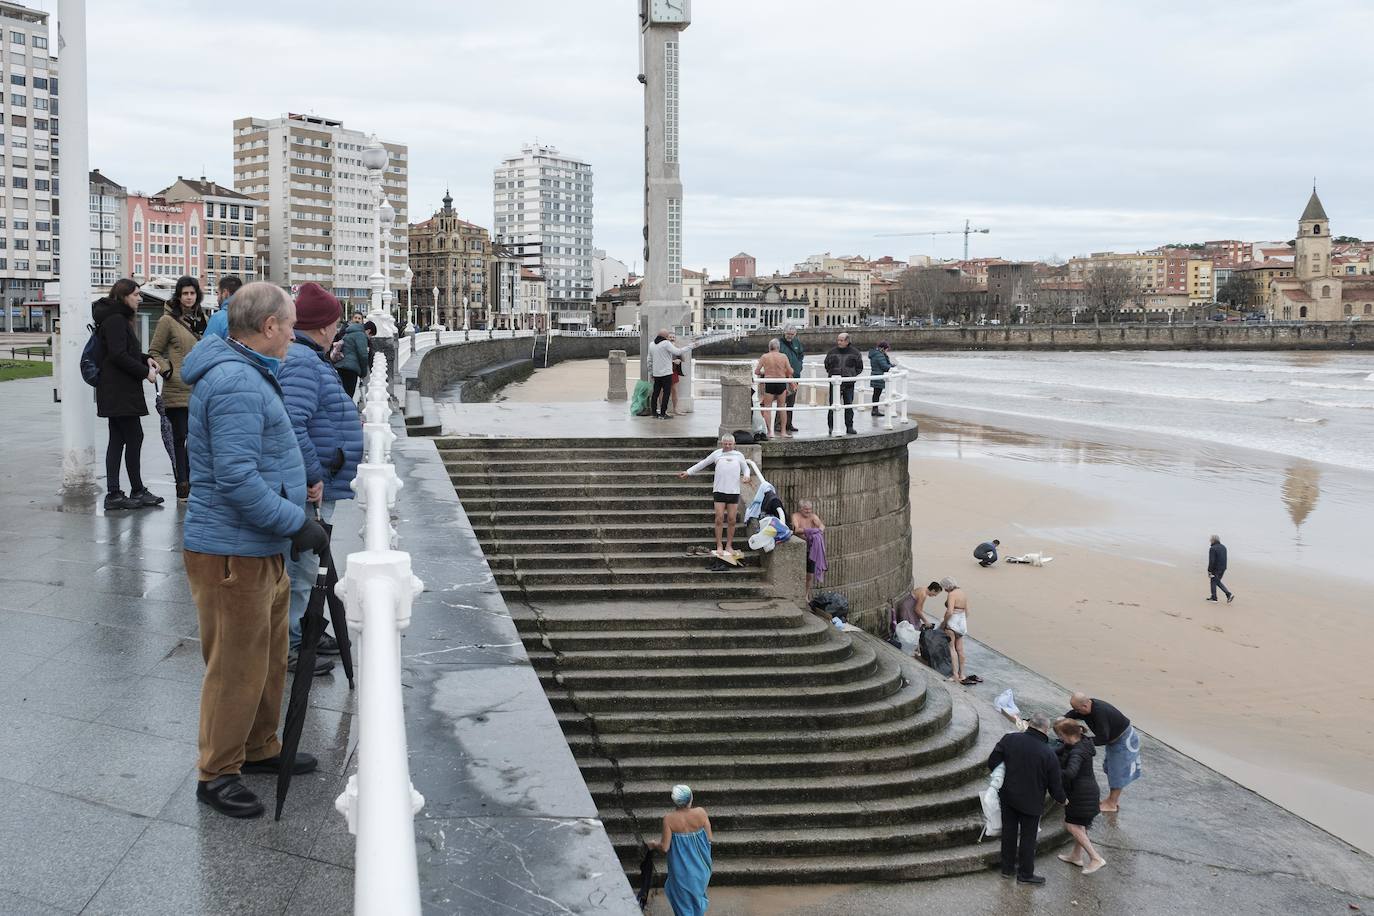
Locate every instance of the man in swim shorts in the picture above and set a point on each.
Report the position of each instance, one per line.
(771, 367)
(730, 469)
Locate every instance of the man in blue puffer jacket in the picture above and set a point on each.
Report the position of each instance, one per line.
(245, 511)
(330, 436)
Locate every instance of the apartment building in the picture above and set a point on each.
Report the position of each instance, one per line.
(227, 239)
(832, 301)
(316, 220)
(29, 170)
(450, 254)
(163, 237)
(542, 205)
(109, 217)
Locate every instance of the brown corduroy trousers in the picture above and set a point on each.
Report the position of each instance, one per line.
(243, 606)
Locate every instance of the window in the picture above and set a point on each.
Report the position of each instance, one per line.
(40, 104)
(19, 182)
(18, 100)
(1317, 229)
(18, 79)
(21, 264)
(1302, 312)
(39, 83)
(1326, 292)
(43, 245)
(17, 38)
(41, 184)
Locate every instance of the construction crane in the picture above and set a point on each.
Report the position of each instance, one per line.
(965, 232)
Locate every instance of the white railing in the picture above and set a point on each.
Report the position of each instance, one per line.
(377, 588)
(818, 392)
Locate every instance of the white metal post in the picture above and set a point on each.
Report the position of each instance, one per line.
(834, 402)
(78, 407)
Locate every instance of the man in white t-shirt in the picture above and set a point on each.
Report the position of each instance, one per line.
(731, 469)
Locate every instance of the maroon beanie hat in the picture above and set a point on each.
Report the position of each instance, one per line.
(316, 307)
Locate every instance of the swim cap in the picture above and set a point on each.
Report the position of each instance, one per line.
(682, 796)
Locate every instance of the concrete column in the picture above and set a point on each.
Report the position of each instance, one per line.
(685, 404)
(615, 384)
(736, 399)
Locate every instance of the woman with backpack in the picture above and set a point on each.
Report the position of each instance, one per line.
(177, 331)
(119, 397)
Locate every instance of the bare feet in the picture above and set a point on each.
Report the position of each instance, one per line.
(1071, 858)
(1107, 808)
(1093, 866)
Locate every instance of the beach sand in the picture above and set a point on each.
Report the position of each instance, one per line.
(1274, 690)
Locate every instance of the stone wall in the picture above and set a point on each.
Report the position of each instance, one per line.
(442, 366)
(861, 488)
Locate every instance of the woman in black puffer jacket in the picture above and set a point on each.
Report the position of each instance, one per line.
(1080, 784)
(124, 367)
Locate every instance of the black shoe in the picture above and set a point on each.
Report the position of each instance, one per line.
(228, 795)
(1230, 598)
(1211, 599)
(793, 429)
(183, 491)
(322, 665)
(305, 763)
(115, 499)
(145, 498)
(1036, 880)
(328, 645)
(851, 431)
(875, 412)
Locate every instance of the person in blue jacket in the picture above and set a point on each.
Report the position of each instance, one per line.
(330, 436)
(218, 325)
(878, 364)
(245, 511)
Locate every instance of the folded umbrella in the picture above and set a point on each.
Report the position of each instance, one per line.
(337, 615)
(646, 877)
(312, 627)
(166, 425)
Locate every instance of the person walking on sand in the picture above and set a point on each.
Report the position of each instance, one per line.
(955, 626)
(730, 470)
(1080, 785)
(986, 552)
(1115, 733)
(808, 524)
(772, 367)
(1032, 770)
(1216, 568)
(686, 841)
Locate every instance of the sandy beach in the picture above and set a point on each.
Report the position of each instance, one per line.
(1274, 690)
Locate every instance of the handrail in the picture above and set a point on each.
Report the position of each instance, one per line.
(377, 588)
(893, 402)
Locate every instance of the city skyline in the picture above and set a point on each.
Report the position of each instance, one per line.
(796, 139)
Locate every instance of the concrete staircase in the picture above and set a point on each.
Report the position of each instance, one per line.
(821, 756)
(579, 518)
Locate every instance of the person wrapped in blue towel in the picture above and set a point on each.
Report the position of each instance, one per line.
(686, 842)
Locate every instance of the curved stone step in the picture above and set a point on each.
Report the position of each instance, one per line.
(508, 529)
(629, 615)
(666, 464)
(860, 661)
(651, 576)
(634, 641)
(663, 559)
(600, 505)
(579, 542)
(574, 477)
(804, 840)
(714, 589)
(592, 520)
(764, 655)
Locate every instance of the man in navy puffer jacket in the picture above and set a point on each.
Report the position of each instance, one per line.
(330, 436)
(245, 511)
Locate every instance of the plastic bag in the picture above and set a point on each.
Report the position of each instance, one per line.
(908, 637)
(992, 806)
(1006, 702)
(765, 537)
(639, 401)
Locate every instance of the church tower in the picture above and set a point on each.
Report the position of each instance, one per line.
(1312, 259)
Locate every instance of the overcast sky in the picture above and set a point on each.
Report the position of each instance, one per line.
(808, 126)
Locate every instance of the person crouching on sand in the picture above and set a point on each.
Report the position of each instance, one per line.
(1080, 785)
(731, 469)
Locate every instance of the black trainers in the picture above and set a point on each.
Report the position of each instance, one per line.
(115, 499)
(1230, 598)
(322, 665)
(145, 498)
(1035, 880)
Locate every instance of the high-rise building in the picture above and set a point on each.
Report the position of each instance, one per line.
(109, 219)
(317, 221)
(542, 204)
(27, 198)
(450, 254)
(227, 237)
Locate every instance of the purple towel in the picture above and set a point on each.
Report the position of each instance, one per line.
(815, 551)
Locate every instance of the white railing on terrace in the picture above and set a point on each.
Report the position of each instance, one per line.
(377, 589)
(817, 392)
(407, 345)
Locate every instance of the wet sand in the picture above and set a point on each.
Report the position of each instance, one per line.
(1275, 690)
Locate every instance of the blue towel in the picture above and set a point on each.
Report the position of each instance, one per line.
(689, 872)
(1122, 763)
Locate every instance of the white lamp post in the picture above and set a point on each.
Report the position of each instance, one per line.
(465, 313)
(375, 160)
(410, 295)
(435, 316)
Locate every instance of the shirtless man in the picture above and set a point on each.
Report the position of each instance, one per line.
(805, 517)
(921, 594)
(955, 625)
(774, 368)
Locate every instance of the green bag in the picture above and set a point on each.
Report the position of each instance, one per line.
(639, 401)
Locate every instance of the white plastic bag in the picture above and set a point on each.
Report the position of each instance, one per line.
(992, 807)
(908, 636)
(765, 538)
(1007, 703)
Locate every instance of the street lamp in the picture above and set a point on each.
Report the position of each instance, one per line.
(436, 305)
(465, 313)
(374, 158)
(410, 295)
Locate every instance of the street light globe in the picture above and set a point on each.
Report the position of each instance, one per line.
(374, 155)
(410, 274)
(386, 213)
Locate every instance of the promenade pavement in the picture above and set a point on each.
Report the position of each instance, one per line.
(100, 674)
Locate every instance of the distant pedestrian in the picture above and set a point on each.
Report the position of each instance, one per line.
(986, 552)
(246, 510)
(1080, 785)
(119, 396)
(955, 626)
(353, 356)
(330, 436)
(1113, 732)
(771, 367)
(879, 364)
(808, 524)
(791, 347)
(686, 842)
(1216, 568)
(661, 355)
(218, 325)
(1032, 770)
(370, 329)
(730, 469)
(845, 361)
(173, 338)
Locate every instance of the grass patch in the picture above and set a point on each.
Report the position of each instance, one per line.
(11, 369)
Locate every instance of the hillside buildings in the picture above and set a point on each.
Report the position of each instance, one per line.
(316, 220)
(542, 207)
(1316, 289)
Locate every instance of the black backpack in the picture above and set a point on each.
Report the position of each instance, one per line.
(92, 355)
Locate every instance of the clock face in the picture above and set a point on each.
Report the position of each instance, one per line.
(669, 10)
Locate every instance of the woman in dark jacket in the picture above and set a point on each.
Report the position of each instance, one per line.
(1080, 784)
(124, 367)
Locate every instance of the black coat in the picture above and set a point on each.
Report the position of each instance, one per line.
(844, 361)
(1032, 770)
(1216, 559)
(125, 366)
(1080, 783)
